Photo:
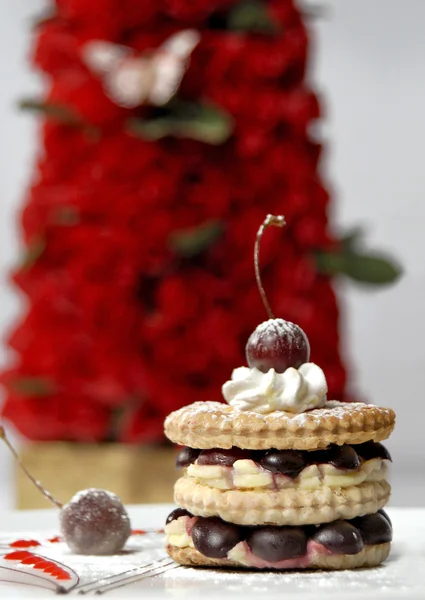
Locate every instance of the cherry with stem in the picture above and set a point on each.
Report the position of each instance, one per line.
(275, 344)
(45, 493)
(276, 221)
(93, 522)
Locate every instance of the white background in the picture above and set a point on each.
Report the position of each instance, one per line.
(370, 68)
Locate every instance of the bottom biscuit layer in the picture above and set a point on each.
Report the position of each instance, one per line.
(370, 556)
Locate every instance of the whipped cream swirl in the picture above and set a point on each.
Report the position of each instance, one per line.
(294, 390)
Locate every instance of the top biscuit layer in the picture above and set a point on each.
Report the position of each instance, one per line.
(216, 425)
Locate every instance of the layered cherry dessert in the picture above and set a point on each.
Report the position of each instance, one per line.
(279, 477)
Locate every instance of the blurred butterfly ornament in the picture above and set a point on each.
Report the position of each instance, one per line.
(131, 79)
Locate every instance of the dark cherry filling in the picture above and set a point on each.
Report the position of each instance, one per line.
(374, 529)
(214, 537)
(340, 537)
(221, 456)
(287, 462)
(273, 544)
(186, 457)
(341, 457)
(370, 450)
(176, 514)
(382, 512)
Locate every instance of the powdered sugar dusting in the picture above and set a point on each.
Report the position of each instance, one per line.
(279, 328)
(332, 408)
(388, 581)
(216, 411)
(95, 493)
(279, 325)
(226, 413)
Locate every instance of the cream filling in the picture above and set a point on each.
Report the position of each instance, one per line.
(177, 534)
(294, 390)
(243, 555)
(246, 474)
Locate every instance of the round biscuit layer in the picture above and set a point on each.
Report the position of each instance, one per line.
(217, 425)
(281, 507)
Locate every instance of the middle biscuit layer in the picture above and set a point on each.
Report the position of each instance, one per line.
(281, 507)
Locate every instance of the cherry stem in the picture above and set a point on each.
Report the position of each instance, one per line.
(276, 221)
(45, 493)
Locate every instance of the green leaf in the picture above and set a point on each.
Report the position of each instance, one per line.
(365, 268)
(330, 263)
(371, 269)
(190, 242)
(33, 252)
(61, 114)
(57, 112)
(116, 424)
(251, 16)
(201, 122)
(66, 216)
(351, 239)
(32, 386)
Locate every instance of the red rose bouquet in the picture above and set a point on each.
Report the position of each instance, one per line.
(169, 130)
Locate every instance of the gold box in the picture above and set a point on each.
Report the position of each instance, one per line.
(137, 474)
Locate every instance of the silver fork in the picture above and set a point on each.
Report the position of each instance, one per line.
(119, 580)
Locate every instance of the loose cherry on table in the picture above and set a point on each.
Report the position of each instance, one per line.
(93, 522)
(275, 344)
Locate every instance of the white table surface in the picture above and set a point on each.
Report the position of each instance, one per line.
(401, 577)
